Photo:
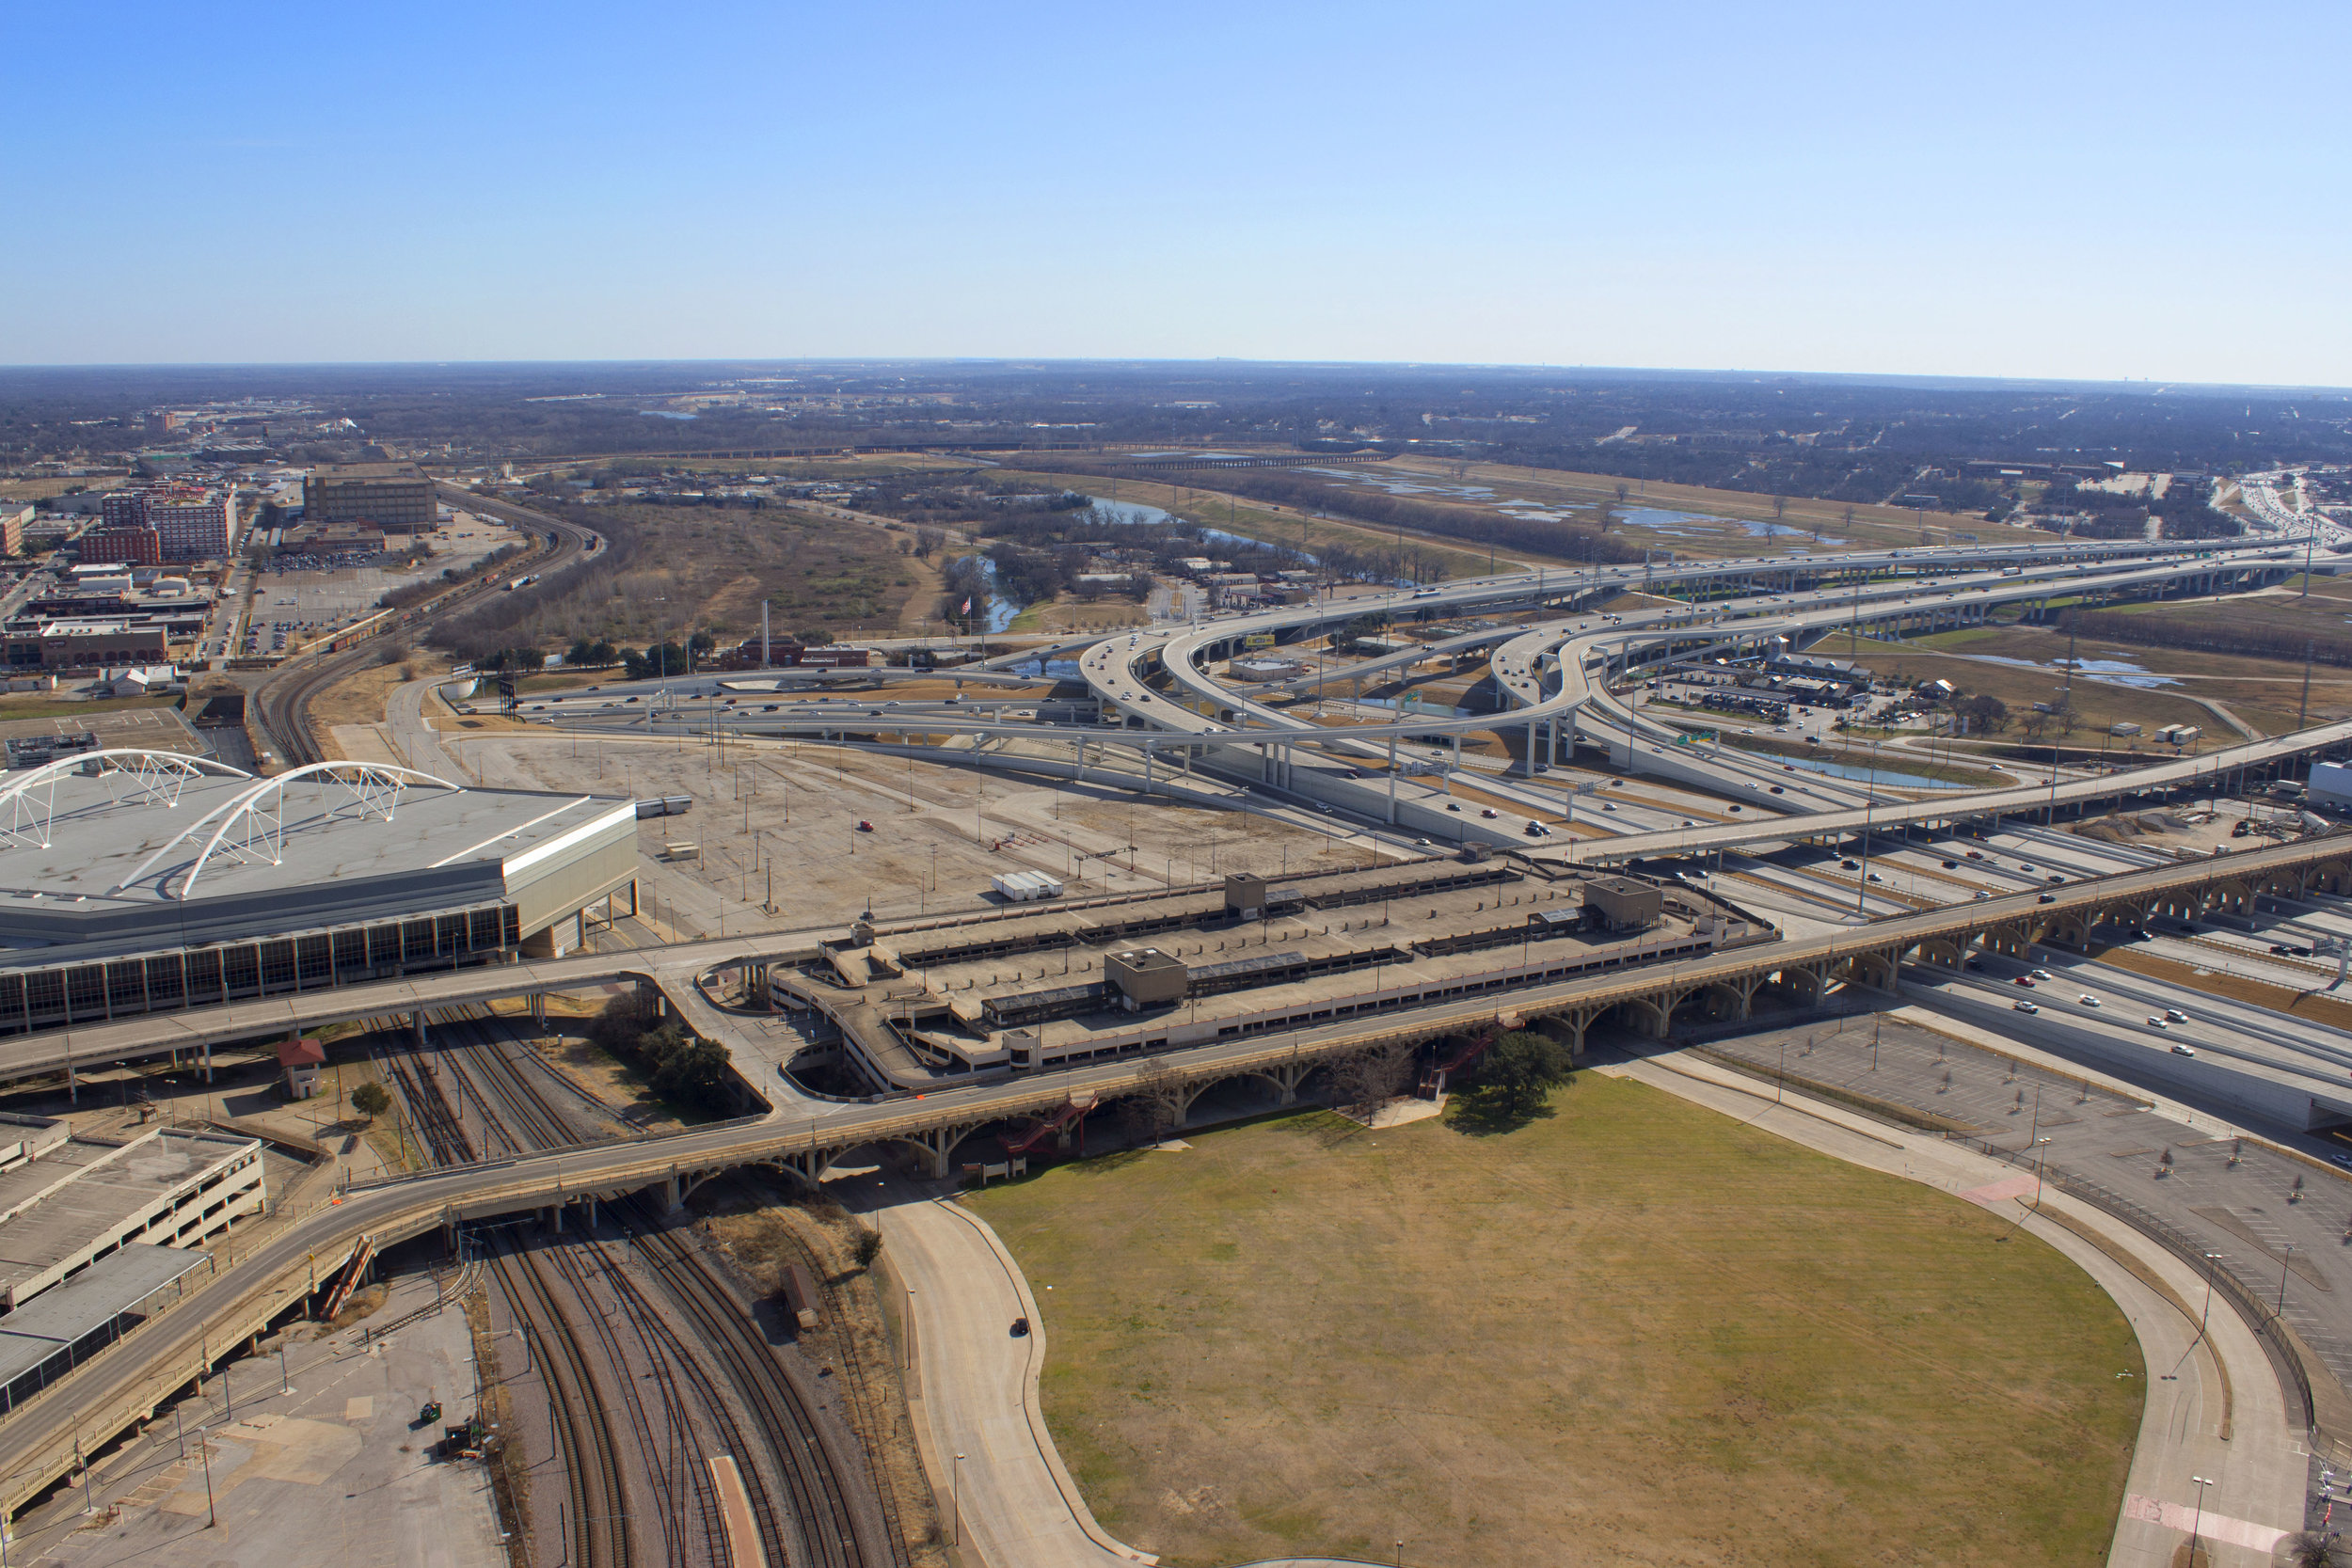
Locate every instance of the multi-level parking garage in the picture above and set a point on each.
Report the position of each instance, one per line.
(968, 1023)
(1156, 719)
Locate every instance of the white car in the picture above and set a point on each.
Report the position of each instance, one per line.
(2022, 1005)
(2156, 1021)
(2087, 999)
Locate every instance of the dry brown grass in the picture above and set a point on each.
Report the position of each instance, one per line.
(2328, 1010)
(359, 697)
(1634, 1325)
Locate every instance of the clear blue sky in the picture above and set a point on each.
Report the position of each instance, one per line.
(2144, 190)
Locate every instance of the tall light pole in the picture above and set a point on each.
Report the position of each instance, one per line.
(1869, 800)
(2197, 1519)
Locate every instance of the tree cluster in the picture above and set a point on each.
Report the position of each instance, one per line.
(679, 1067)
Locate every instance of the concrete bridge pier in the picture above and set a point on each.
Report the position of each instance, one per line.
(1570, 1026)
(939, 1144)
(415, 1032)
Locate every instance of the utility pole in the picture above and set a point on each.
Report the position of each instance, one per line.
(2303, 713)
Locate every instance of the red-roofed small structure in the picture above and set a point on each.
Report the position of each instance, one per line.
(302, 1058)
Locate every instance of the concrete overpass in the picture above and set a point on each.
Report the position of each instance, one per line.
(42, 1438)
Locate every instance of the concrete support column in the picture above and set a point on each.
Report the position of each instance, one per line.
(416, 1030)
(208, 1050)
(1391, 781)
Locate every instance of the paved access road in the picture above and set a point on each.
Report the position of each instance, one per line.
(977, 1384)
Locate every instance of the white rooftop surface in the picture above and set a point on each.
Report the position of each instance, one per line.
(103, 829)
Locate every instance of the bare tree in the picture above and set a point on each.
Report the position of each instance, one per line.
(1362, 1082)
(1155, 1107)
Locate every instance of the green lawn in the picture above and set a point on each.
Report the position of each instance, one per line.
(1634, 1332)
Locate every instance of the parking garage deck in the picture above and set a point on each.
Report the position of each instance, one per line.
(1056, 989)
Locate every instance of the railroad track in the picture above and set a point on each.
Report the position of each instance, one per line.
(822, 1524)
(283, 700)
(598, 1529)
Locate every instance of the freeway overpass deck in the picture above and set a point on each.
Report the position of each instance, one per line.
(111, 1392)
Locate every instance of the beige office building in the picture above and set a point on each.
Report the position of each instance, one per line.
(395, 497)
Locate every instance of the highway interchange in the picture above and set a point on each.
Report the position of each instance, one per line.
(1555, 668)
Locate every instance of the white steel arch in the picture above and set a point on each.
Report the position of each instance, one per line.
(151, 778)
(374, 790)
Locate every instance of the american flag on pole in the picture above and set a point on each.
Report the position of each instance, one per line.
(967, 606)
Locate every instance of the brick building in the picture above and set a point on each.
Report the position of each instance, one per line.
(133, 545)
(191, 522)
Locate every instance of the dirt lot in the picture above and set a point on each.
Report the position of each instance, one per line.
(773, 819)
(1635, 1327)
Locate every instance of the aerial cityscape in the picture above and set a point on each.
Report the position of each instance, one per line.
(766, 808)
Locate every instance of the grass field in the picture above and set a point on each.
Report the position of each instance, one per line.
(1961, 657)
(2264, 692)
(1869, 527)
(1633, 1332)
(1275, 524)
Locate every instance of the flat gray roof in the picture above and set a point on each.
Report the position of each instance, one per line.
(76, 851)
(331, 472)
(82, 1192)
(107, 1288)
(102, 831)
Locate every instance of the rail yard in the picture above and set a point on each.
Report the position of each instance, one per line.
(1403, 885)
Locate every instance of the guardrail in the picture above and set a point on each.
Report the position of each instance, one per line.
(2280, 1343)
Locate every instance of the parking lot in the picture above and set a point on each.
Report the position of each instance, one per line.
(299, 597)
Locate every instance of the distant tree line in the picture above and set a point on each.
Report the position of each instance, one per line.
(1471, 526)
(2210, 632)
